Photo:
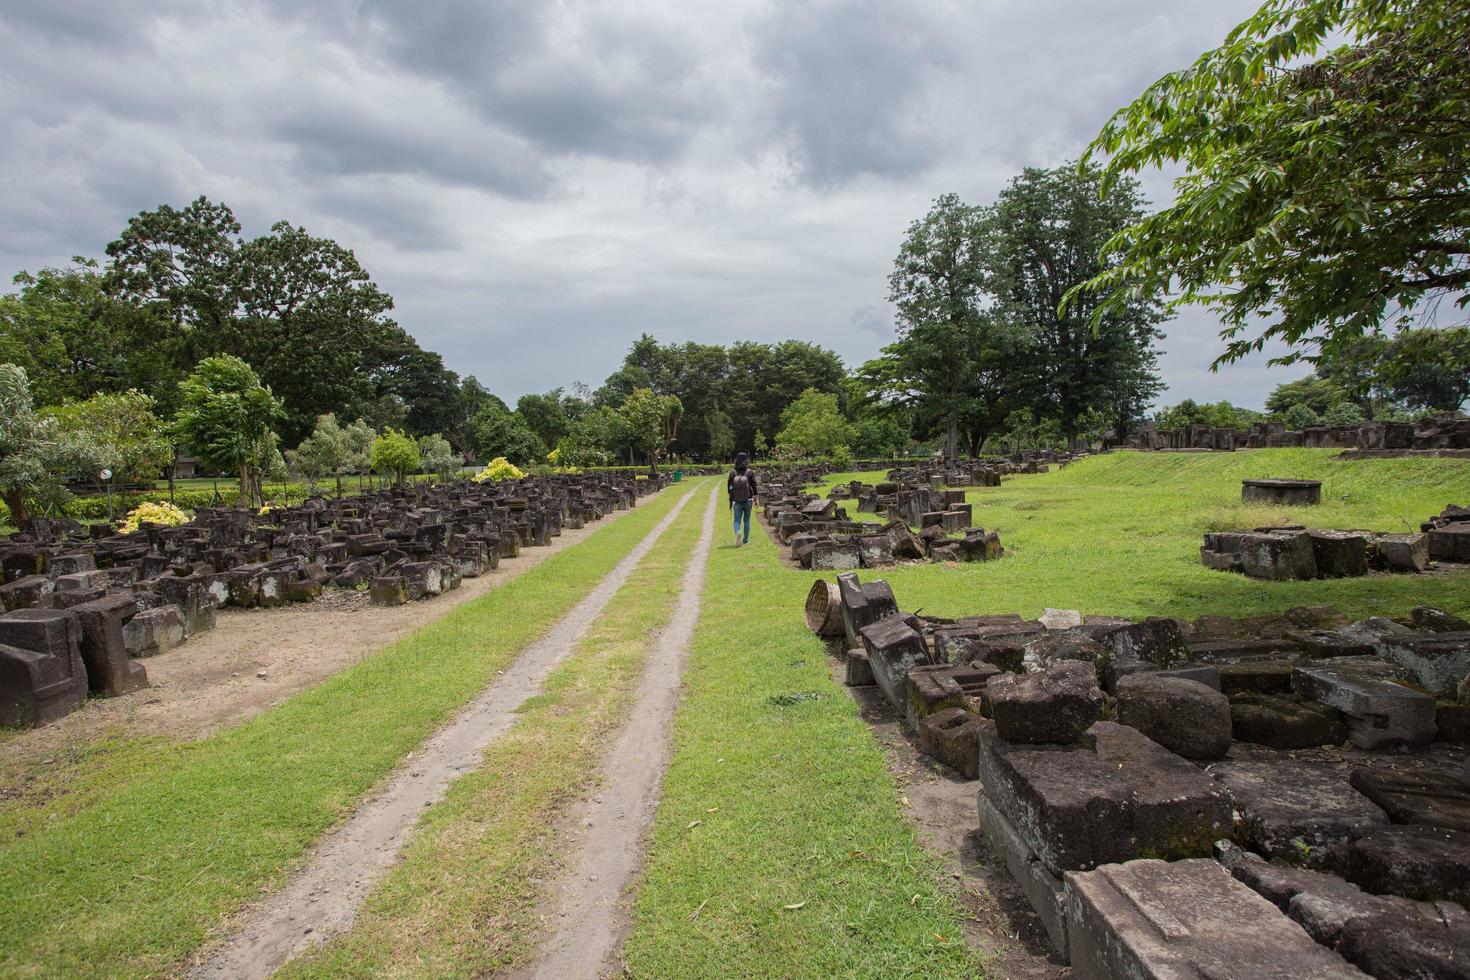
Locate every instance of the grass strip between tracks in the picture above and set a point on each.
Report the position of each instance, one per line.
(132, 884)
(779, 848)
(467, 897)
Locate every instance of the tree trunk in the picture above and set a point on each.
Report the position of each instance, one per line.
(16, 501)
(951, 442)
(244, 499)
(339, 484)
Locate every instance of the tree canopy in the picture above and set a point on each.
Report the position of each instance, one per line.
(226, 418)
(1326, 192)
(36, 452)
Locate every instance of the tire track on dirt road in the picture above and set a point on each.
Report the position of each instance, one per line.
(323, 897)
(590, 919)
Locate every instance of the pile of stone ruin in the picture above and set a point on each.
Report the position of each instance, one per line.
(1278, 796)
(1291, 552)
(1445, 434)
(82, 606)
(822, 537)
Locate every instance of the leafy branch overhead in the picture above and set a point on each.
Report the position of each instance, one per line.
(1326, 191)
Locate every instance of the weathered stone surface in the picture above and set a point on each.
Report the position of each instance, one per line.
(1061, 619)
(1425, 863)
(1055, 705)
(388, 590)
(104, 651)
(1404, 552)
(862, 604)
(894, 648)
(1439, 660)
(1420, 796)
(1451, 542)
(1184, 716)
(1388, 936)
(1116, 796)
(859, 673)
(1158, 641)
(952, 735)
(835, 554)
(1291, 810)
(1043, 890)
(1256, 676)
(1048, 649)
(1339, 554)
(1321, 644)
(1186, 920)
(1437, 620)
(1284, 721)
(42, 676)
(154, 631)
(931, 689)
(1295, 492)
(875, 550)
(1380, 714)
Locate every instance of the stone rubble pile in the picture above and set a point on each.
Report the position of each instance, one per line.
(1446, 432)
(821, 537)
(82, 605)
(1282, 795)
(1294, 552)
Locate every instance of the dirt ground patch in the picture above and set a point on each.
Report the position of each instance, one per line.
(941, 808)
(256, 658)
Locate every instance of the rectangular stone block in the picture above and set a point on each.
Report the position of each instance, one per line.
(894, 648)
(42, 676)
(1156, 920)
(1043, 890)
(1381, 714)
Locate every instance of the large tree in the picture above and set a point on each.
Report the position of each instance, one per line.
(1048, 233)
(652, 422)
(952, 362)
(1326, 191)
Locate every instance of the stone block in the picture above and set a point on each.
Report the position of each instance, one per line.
(1292, 810)
(952, 736)
(1451, 542)
(104, 651)
(863, 604)
(1429, 864)
(154, 631)
(1339, 554)
(931, 689)
(894, 648)
(1114, 797)
(1440, 661)
(1422, 796)
(858, 671)
(42, 677)
(1404, 552)
(1060, 619)
(1185, 920)
(1379, 713)
(1284, 721)
(1055, 705)
(1045, 649)
(835, 554)
(875, 550)
(1043, 890)
(1437, 620)
(1159, 641)
(1184, 716)
(388, 590)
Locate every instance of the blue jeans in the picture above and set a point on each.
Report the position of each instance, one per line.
(742, 512)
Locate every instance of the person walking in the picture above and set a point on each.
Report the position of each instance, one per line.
(742, 490)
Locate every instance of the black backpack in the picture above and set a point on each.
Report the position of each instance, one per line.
(740, 487)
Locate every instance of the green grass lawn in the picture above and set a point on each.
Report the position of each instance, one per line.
(130, 881)
(465, 899)
(1120, 533)
(778, 849)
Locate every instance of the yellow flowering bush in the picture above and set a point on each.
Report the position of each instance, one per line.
(499, 469)
(150, 513)
(266, 509)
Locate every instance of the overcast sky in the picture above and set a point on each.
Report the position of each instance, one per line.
(537, 183)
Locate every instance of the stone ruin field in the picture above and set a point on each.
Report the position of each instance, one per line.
(1005, 718)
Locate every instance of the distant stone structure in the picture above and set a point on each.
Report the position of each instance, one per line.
(1448, 432)
(1294, 492)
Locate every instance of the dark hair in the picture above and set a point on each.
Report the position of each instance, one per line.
(741, 460)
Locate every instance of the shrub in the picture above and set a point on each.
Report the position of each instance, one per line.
(499, 469)
(153, 513)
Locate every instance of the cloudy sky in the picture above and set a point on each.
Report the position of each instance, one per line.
(538, 182)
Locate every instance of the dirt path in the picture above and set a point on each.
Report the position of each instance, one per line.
(588, 917)
(323, 898)
(256, 658)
